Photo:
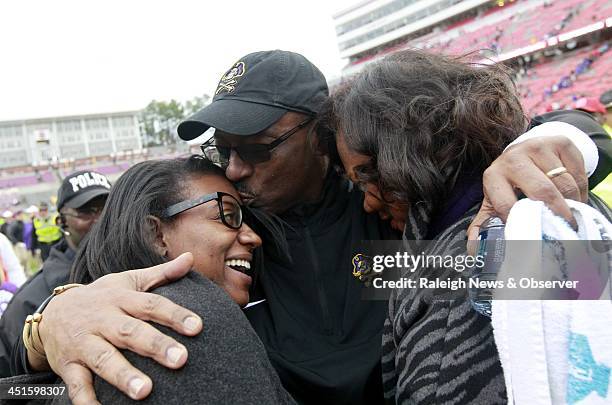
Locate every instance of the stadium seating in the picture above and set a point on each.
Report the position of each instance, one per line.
(552, 83)
(503, 29)
(537, 85)
(27, 180)
(526, 27)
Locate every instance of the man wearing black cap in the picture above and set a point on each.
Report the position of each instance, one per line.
(273, 111)
(322, 338)
(80, 199)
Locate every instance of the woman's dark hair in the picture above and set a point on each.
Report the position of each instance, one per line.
(122, 239)
(425, 119)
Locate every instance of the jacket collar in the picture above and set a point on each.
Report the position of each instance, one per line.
(56, 269)
(425, 221)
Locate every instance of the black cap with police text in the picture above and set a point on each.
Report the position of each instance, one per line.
(255, 93)
(81, 187)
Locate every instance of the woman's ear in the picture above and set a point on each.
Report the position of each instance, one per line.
(159, 241)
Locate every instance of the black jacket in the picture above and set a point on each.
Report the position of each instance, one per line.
(55, 272)
(321, 337)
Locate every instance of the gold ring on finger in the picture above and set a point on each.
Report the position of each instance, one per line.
(556, 172)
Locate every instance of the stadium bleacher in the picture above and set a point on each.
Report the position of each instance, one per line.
(558, 83)
(504, 29)
(548, 83)
(22, 186)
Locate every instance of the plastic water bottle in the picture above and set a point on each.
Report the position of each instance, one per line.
(491, 247)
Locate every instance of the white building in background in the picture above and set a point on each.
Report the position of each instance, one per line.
(44, 140)
(375, 24)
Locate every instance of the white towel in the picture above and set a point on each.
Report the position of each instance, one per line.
(555, 352)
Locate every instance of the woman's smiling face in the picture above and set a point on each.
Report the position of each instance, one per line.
(220, 253)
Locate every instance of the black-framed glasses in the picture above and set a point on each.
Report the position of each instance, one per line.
(250, 153)
(230, 211)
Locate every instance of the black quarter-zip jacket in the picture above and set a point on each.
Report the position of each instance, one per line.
(323, 339)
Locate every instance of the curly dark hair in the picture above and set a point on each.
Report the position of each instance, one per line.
(425, 119)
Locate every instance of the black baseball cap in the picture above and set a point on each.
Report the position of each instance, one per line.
(81, 187)
(257, 91)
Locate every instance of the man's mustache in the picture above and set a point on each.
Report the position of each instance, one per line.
(244, 191)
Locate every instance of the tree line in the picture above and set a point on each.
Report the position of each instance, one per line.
(159, 119)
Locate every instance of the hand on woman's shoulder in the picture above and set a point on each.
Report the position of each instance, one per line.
(227, 362)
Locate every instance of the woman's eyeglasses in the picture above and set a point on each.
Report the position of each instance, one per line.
(230, 211)
(251, 153)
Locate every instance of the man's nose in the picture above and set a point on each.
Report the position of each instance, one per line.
(237, 168)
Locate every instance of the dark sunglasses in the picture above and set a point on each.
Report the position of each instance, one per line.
(252, 153)
(84, 213)
(230, 211)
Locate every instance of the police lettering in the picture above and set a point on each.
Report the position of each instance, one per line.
(88, 179)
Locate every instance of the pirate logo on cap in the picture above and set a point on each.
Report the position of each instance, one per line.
(230, 79)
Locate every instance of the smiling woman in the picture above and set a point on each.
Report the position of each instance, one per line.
(157, 211)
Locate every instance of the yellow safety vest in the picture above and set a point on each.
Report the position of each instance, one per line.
(46, 229)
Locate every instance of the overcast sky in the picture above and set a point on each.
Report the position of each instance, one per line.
(65, 57)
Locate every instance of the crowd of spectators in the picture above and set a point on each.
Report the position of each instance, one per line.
(557, 83)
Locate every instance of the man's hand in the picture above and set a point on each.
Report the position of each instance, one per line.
(523, 168)
(83, 327)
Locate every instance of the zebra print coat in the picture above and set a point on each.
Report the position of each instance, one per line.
(438, 351)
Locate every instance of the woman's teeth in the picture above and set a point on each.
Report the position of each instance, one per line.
(238, 263)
